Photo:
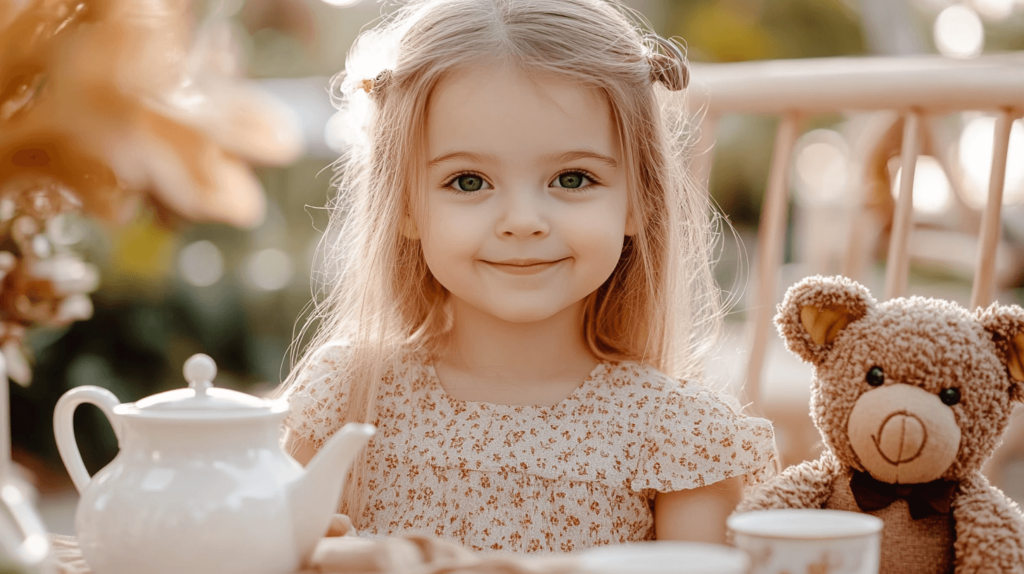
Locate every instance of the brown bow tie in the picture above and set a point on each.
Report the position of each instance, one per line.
(924, 499)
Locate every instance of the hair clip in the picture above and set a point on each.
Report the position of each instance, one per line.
(375, 85)
(669, 67)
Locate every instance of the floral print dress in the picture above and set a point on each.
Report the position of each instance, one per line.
(576, 474)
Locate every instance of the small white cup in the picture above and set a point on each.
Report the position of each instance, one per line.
(795, 540)
(664, 558)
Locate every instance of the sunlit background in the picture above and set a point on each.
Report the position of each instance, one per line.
(171, 288)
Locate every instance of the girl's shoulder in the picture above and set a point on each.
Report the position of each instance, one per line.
(321, 373)
(318, 392)
(322, 383)
(691, 435)
(324, 374)
(649, 389)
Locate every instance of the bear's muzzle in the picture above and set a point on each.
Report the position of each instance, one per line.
(903, 434)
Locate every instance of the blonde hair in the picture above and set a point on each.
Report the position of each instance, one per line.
(660, 304)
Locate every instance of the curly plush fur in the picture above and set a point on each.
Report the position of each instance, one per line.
(835, 324)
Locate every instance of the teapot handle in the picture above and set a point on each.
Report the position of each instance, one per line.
(64, 430)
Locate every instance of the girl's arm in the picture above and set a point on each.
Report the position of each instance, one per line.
(697, 514)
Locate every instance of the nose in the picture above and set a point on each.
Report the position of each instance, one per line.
(901, 437)
(523, 214)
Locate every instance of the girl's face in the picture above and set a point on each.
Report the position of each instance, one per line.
(525, 201)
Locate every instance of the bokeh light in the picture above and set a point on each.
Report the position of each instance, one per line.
(65, 229)
(932, 190)
(342, 3)
(959, 32)
(36, 546)
(334, 132)
(269, 269)
(975, 156)
(822, 165)
(201, 263)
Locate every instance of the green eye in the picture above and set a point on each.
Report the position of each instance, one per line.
(875, 376)
(469, 182)
(949, 396)
(571, 180)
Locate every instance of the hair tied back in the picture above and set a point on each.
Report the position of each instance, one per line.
(375, 85)
(668, 66)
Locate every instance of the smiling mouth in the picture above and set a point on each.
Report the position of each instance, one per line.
(524, 266)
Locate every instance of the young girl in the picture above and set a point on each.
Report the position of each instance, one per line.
(522, 274)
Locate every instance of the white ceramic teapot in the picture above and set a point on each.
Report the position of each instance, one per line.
(201, 484)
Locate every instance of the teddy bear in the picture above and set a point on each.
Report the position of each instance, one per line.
(911, 397)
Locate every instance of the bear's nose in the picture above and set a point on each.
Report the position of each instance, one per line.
(901, 438)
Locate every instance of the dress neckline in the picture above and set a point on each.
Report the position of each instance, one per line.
(590, 380)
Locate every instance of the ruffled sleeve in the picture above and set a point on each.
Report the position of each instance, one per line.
(695, 437)
(318, 396)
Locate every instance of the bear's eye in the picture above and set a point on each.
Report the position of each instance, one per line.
(949, 396)
(875, 376)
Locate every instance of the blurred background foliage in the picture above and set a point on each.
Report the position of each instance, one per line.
(170, 288)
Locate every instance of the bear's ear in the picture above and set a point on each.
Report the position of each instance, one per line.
(1006, 325)
(816, 310)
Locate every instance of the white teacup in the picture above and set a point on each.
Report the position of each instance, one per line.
(664, 558)
(809, 541)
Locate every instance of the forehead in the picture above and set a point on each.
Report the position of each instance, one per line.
(500, 110)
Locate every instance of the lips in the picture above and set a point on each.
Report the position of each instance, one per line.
(524, 266)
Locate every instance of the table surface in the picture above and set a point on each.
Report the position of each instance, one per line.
(397, 555)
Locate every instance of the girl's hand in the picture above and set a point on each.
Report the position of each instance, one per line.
(698, 514)
(341, 525)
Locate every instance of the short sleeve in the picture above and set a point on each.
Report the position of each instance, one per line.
(317, 397)
(695, 437)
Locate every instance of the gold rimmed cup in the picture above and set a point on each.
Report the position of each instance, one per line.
(799, 540)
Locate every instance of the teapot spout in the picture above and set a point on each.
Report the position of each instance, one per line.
(314, 498)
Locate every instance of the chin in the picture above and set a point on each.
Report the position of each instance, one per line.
(525, 313)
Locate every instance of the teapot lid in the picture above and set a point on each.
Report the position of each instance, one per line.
(201, 400)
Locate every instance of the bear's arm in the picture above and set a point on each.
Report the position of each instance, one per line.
(989, 529)
(806, 485)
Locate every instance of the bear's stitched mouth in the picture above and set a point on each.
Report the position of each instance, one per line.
(906, 433)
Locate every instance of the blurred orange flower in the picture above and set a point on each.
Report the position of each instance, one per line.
(104, 103)
(114, 98)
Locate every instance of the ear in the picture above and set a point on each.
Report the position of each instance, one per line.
(816, 310)
(1006, 325)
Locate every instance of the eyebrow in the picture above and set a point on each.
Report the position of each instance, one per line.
(474, 157)
(582, 154)
(553, 158)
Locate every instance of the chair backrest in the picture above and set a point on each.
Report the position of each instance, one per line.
(914, 87)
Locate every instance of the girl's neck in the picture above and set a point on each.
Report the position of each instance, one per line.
(499, 354)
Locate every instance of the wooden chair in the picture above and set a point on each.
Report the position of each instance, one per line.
(912, 90)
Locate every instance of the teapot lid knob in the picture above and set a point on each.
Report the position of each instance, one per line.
(200, 371)
(201, 401)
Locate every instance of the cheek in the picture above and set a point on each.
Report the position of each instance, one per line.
(606, 249)
(599, 233)
(449, 243)
(443, 229)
